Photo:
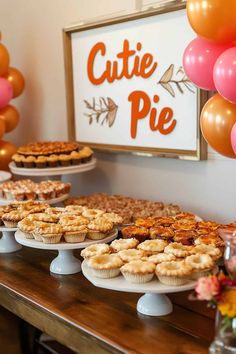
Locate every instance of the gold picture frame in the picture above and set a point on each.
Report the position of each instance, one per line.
(200, 153)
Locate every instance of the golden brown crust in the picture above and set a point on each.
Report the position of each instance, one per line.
(105, 261)
(173, 269)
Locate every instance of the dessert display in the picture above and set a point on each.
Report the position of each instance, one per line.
(51, 154)
(13, 213)
(182, 229)
(55, 225)
(172, 264)
(26, 189)
(130, 209)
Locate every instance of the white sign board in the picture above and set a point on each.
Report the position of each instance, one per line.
(129, 88)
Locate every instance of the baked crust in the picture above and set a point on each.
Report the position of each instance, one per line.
(200, 261)
(178, 250)
(174, 269)
(105, 261)
(138, 267)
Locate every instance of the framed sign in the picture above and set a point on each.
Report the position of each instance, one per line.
(126, 87)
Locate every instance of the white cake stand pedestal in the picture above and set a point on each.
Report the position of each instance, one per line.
(153, 303)
(65, 263)
(8, 243)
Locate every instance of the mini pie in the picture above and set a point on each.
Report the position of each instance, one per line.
(99, 228)
(55, 211)
(164, 221)
(95, 250)
(74, 233)
(201, 264)
(178, 250)
(138, 271)
(105, 265)
(208, 224)
(75, 209)
(138, 232)
(173, 273)
(115, 218)
(210, 239)
(49, 233)
(183, 224)
(161, 257)
(131, 255)
(124, 244)
(145, 222)
(152, 246)
(43, 217)
(69, 219)
(214, 252)
(186, 216)
(185, 237)
(92, 213)
(165, 233)
(27, 227)
(12, 218)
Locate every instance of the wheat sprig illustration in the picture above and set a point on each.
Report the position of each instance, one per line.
(104, 111)
(167, 79)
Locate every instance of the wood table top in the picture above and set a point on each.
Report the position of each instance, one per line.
(93, 320)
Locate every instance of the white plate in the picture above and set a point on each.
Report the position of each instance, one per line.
(5, 176)
(49, 201)
(120, 284)
(52, 171)
(20, 238)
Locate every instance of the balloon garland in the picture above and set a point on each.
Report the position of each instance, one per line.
(12, 85)
(210, 63)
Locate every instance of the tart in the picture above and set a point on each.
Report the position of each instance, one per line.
(200, 263)
(86, 154)
(185, 237)
(40, 162)
(161, 232)
(152, 246)
(18, 159)
(65, 160)
(161, 257)
(173, 273)
(178, 250)
(210, 239)
(145, 222)
(115, 218)
(213, 251)
(27, 227)
(75, 158)
(48, 233)
(52, 160)
(44, 217)
(74, 209)
(92, 213)
(138, 271)
(124, 244)
(69, 219)
(164, 221)
(58, 211)
(12, 218)
(105, 265)
(183, 224)
(95, 250)
(212, 225)
(140, 233)
(131, 255)
(29, 161)
(99, 228)
(74, 233)
(186, 216)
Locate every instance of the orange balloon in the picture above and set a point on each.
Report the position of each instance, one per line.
(2, 128)
(10, 116)
(17, 81)
(4, 59)
(217, 119)
(214, 20)
(7, 149)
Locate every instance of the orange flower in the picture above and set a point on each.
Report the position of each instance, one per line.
(227, 305)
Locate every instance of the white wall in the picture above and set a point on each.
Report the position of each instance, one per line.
(32, 32)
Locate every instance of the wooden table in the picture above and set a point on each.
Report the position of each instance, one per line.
(90, 320)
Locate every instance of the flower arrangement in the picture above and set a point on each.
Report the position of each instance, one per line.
(220, 291)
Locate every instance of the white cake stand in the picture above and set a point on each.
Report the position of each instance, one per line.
(8, 243)
(65, 262)
(49, 201)
(52, 171)
(153, 303)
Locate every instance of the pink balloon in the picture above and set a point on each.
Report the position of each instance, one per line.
(199, 59)
(225, 74)
(233, 138)
(6, 92)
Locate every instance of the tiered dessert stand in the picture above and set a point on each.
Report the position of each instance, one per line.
(153, 303)
(52, 171)
(8, 243)
(65, 262)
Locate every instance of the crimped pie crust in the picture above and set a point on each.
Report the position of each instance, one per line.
(173, 269)
(105, 261)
